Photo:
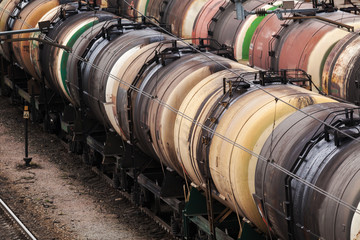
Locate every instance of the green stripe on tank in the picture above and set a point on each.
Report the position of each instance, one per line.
(146, 6)
(323, 63)
(249, 34)
(70, 44)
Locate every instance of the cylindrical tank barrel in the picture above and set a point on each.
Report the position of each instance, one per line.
(172, 83)
(224, 27)
(155, 9)
(189, 17)
(28, 18)
(132, 43)
(85, 44)
(133, 9)
(174, 14)
(53, 59)
(203, 19)
(341, 74)
(323, 165)
(248, 121)
(6, 10)
(35, 46)
(305, 44)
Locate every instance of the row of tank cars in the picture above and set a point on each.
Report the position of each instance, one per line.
(213, 147)
(326, 50)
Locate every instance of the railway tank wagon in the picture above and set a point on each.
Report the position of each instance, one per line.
(269, 151)
(313, 50)
(266, 42)
(269, 43)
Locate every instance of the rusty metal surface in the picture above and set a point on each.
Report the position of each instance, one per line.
(303, 44)
(174, 15)
(202, 21)
(156, 8)
(341, 74)
(297, 44)
(28, 18)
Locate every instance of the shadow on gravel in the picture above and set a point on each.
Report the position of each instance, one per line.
(24, 167)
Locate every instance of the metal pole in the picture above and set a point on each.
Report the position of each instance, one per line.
(5, 33)
(2, 74)
(27, 159)
(39, 40)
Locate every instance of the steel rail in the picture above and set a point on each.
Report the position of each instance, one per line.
(13, 217)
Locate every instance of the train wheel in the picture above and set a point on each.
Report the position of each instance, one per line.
(94, 160)
(5, 91)
(134, 195)
(123, 180)
(116, 180)
(143, 197)
(85, 158)
(72, 146)
(78, 148)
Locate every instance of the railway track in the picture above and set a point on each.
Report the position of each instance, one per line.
(10, 225)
